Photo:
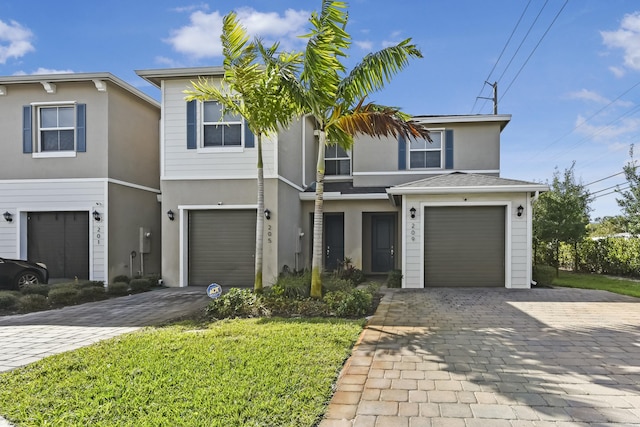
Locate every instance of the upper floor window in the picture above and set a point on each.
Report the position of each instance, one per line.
(220, 130)
(336, 161)
(424, 154)
(56, 129)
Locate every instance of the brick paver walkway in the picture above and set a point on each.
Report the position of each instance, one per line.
(494, 357)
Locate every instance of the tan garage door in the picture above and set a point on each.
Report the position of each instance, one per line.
(464, 246)
(222, 247)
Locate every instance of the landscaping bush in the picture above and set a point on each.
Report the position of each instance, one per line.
(36, 289)
(91, 293)
(8, 301)
(140, 285)
(354, 303)
(348, 272)
(122, 278)
(333, 284)
(33, 302)
(118, 289)
(394, 279)
(154, 279)
(292, 285)
(237, 303)
(543, 275)
(63, 295)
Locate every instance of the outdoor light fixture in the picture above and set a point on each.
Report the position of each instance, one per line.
(96, 216)
(412, 211)
(170, 215)
(520, 210)
(267, 214)
(7, 216)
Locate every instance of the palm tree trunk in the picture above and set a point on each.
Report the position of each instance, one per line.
(317, 257)
(257, 285)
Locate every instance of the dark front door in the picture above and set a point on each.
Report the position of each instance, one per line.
(61, 241)
(382, 243)
(333, 240)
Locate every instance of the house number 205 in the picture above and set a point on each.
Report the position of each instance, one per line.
(269, 233)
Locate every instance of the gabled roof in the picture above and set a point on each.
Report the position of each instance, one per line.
(156, 76)
(96, 78)
(502, 119)
(460, 182)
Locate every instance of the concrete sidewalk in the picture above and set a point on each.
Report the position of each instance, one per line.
(494, 357)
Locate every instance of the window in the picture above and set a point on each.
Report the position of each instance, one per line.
(56, 129)
(424, 154)
(336, 161)
(219, 130)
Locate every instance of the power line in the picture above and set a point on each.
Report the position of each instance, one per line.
(602, 179)
(605, 189)
(611, 192)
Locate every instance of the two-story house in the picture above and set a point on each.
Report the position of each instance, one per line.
(438, 211)
(79, 175)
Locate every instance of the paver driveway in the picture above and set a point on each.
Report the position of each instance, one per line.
(494, 357)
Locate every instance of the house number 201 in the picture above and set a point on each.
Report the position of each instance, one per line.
(269, 233)
(98, 234)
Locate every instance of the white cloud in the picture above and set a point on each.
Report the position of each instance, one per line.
(364, 45)
(15, 41)
(613, 133)
(627, 38)
(201, 38)
(617, 71)
(42, 70)
(170, 63)
(589, 95)
(191, 8)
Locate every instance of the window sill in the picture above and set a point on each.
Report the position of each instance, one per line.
(58, 154)
(210, 150)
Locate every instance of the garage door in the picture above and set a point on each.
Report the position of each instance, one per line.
(222, 247)
(61, 241)
(464, 246)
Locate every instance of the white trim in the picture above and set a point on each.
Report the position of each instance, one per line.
(72, 180)
(507, 233)
(46, 103)
(470, 189)
(214, 178)
(463, 119)
(529, 215)
(105, 219)
(183, 212)
(289, 183)
(403, 244)
(440, 171)
(132, 185)
(52, 154)
(340, 196)
(221, 149)
(162, 130)
(441, 149)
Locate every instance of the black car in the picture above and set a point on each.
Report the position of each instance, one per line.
(16, 273)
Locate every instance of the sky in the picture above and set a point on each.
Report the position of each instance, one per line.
(568, 71)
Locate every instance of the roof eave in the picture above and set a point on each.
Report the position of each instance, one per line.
(469, 189)
(155, 76)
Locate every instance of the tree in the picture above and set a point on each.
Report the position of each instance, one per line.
(562, 214)
(336, 100)
(252, 87)
(630, 198)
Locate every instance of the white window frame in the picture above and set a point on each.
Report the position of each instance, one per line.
(230, 148)
(38, 153)
(337, 159)
(441, 131)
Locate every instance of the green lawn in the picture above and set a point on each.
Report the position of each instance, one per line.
(597, 281)
(249, 372)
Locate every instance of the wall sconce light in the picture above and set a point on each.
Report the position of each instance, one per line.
(267, 214)
(8, 216)
(519, 210)
(96, 216)
(412, 211)
(171, 215)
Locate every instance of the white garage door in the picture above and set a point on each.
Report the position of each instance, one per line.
(464, 246)
(222, 247)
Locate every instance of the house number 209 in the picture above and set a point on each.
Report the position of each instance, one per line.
(413, 232)
(269, 234)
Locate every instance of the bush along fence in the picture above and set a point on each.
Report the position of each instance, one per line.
(617, 256)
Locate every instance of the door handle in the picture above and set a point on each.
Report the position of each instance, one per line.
(392, 251)
(328, 250)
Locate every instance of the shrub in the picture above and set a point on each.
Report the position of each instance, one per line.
(354, 303)
(140, 285)
(394, 279)
(237, 303)
(118, 289)
(63, 296)
(291, 285)
(122, 278)
(154, 279)
(333, 284)
(348, 272)
(91, 293)
(33, 302)
(543, 275)
(8, 301)
(36, 289)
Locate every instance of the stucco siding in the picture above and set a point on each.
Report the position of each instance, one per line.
(182, 163)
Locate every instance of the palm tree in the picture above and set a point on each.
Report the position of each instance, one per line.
(336, 100)
(253, 90)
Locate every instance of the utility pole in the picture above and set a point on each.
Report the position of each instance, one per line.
(494, 98)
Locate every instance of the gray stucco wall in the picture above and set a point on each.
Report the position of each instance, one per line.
(290, 152)
(289, 223)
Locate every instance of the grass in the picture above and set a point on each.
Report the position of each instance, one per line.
(244, 372)
(597, 281)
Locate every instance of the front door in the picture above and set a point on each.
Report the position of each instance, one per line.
(382, 243)
(333, 240)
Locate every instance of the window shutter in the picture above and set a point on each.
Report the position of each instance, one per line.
(448, 149)
(81, 127)
(27, 135)
(249, 138)
(192, 124)
(402, 153)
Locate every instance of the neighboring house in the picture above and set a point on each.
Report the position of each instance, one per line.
(438, 211)
(79, 175)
